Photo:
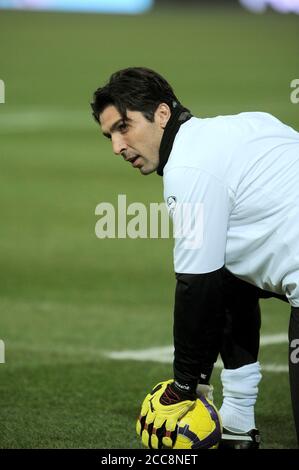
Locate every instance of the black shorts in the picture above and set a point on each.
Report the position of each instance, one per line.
(241, 338)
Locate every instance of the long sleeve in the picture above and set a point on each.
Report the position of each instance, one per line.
(199, 206)
(198, 324)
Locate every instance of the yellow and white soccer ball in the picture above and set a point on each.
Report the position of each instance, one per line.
(200, 427)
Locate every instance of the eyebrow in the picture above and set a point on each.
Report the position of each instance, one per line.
(114, 127)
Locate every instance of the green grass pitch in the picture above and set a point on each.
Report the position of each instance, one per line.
(66, 297)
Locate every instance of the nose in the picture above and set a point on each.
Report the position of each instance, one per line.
(118, 144)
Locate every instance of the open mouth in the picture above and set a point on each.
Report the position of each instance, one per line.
(134, 161)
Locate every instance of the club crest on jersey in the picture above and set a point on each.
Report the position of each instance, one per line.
(171, 204)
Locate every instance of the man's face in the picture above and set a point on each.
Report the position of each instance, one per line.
(136, 139)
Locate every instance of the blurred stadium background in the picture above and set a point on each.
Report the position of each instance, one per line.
(67, 299)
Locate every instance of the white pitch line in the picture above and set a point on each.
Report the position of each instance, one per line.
(15, 119)
(279, 338)
(33, 120)
(165, 354)
(274, 368)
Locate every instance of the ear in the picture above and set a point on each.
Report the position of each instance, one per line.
(162, 114)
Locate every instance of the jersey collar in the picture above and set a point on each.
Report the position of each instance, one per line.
(179, 115)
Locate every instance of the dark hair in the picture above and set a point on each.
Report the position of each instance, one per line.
(134, 89)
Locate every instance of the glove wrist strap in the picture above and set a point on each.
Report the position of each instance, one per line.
(186, 390)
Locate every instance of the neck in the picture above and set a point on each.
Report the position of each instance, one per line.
(179, 115)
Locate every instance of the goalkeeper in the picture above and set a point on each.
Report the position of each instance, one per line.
(240, 242)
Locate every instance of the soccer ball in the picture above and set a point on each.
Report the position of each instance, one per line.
(200, 427)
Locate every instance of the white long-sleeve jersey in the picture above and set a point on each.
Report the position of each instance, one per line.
(242, 171)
